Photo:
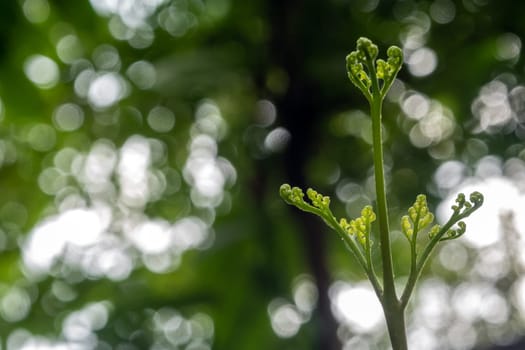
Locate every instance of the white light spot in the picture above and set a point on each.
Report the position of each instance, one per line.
(305, 294)
(106, 57)
(41, 137)
(177, 330)
(413, 37)
(492, 107)
(357, 306)
(483, 226)
(15, 305)
(176, 20)
(461, 335)
(160, 263)
(135, 159)
(68, 117)
(89, 226)
(205, 173)
(277, 139)
(453, 256)
(422, 62)
(433, 301)
(161, 119)
(489, 166)
(63, 291)
(450, 174)
(51, 180)
(83, 82)
(21, 339)
(348, 191)
(142, 74)
(421, 338)
(433, 128)
(518, 293)
(36, 11)
(265, 113)
(105, 7)
(151, 237)
(142, 37)
(46, 243)
(190, 232)
(133, 13)
(119, 30)
(115, 263)
(42, 71)
(96, 168)
(494, 309)
(106, 90)
(69, 49)
(285, 319)
(80, 325)
(443, 11)
(467, 300)
(508, 47)
(416, 106)
(209, 120)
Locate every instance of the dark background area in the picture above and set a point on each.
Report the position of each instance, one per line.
(141, 120)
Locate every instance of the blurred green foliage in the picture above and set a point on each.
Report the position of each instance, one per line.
(142, 145)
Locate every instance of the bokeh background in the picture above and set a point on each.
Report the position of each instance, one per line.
(143, 142)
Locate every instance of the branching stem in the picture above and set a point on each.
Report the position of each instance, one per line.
(393, 310)
(374, 78)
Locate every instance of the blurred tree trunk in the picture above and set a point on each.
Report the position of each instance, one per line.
(299, 111)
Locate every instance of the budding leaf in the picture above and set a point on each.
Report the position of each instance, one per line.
(361, 227)
(419, 217)
(461, 209)
(363, 68)
(315, 203)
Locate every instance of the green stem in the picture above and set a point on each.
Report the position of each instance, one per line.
(419, 264)
(368, 250)
(395, 321)
(365, 262)
(413, 275)
(382, 209)
(393, 309)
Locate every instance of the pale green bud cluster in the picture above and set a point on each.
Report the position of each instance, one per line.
(363, 68)
(461, 209)
(357, 74)
(361, 226)
(462, 205)
(387, 71)
(291, 195)
(295, 196)
(455, 232)
(366, 48)
(418, 218)
(318, 200)
(358, 230)
(319, 204)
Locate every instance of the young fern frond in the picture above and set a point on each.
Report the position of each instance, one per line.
(374, 77)
(318, 205)
(354, 233)
(363, 71)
